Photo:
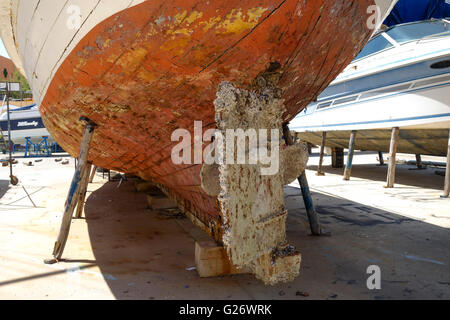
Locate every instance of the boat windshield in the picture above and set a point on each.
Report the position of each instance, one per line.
(417, 31)
(377, 44)
(405, 33)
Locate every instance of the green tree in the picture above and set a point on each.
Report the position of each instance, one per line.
(18, 77)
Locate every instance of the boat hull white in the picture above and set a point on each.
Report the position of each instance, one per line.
(425, 108)
(406, 85)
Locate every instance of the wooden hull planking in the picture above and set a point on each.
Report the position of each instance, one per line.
(151, 67)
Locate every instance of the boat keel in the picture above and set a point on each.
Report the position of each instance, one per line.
(251, 200)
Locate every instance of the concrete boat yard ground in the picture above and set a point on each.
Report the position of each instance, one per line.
(122, 250)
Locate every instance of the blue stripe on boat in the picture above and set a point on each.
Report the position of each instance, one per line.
(23, 124)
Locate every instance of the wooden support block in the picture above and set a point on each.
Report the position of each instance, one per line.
(150, 202)
(393, 158)
(351, 152)
(212, 261)
(322, 151)
(144, 186)
(164, 203)
(447, 173)
(160, 202)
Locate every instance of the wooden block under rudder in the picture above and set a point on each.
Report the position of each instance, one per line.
(149, 202)
(160, 203)
(144, 186)
(212, 260)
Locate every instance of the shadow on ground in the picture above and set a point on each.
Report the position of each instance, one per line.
(144, 255)
(4, 187)
(404, 175)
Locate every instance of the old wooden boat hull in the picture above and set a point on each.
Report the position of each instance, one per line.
(142, 69)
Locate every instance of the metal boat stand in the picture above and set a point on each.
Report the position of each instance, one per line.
(393, 158)
(351, 153)
(77, 191)
(36, 147)
(322, 153)
(313, 217)
(419, 164)
(380, 159)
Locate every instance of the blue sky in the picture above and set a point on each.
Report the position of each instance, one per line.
(3, 50)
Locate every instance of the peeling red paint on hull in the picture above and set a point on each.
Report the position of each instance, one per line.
(155, 67)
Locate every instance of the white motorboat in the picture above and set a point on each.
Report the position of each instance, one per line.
(26, 123)
(400, 79)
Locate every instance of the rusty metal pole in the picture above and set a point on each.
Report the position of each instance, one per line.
(313, 217)
(74, 191)
(393, 158)
(322, 152)
(447, 173)
(351, 152)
